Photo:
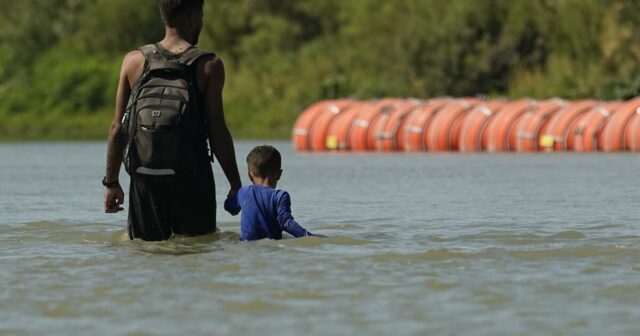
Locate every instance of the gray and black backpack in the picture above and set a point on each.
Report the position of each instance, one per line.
(165, 129)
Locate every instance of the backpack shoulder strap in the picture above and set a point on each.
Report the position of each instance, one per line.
(190, 56)
(151, 53)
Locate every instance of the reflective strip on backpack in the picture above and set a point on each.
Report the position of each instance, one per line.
(155, 172)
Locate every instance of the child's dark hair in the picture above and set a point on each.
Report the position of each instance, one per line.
(264, 161)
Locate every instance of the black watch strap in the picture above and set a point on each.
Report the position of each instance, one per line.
(110, 184)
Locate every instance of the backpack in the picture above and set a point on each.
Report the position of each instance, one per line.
(166, 134)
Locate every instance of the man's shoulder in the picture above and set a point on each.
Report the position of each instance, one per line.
(134, 55)
(132, 65)
(209, 60)
(133, 60)
(209, 68)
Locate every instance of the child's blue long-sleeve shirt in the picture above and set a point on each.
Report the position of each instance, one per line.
(266, 212)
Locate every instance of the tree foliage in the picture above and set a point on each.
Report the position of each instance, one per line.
(60, 58)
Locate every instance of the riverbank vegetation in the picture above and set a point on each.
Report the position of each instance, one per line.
(59, 59)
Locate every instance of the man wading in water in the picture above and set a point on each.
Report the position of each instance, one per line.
(169, 100)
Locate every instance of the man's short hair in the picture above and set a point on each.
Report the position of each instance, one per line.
(172, 11)
(264, 161)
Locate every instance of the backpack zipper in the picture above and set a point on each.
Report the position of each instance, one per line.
(157, 107)
(160, 95)
(170, 86)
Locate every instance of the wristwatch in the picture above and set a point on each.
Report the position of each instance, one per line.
(110, 184)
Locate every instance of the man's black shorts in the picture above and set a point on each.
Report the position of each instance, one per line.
(186, 207)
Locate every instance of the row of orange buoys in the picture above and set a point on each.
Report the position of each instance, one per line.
(469, 125)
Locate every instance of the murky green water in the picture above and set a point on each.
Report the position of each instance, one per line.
(420, 245)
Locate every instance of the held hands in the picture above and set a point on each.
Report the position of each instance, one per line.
(113, 199)
(231, 203)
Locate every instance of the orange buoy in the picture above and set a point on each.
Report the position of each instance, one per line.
(573, 128)
(513, 131)
(338, 131)
(301, 128)
(528, 129)
(612, 137)
(392, 134)
(632, 139)
(454, 137)
(317, 137)
(418, 122)
(377, 126)
(584, 137)
(359, 133)
(439, 132)
(555, 136)
(401, 127)
(474, 124)
(499, 128)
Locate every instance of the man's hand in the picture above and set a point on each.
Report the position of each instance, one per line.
(113, 199)
(231, 203)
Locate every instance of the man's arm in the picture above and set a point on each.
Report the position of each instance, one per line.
(219, 136)
(131, 68)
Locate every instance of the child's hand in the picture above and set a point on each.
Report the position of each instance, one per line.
(229, 206)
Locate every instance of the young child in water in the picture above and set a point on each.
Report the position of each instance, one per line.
(266, 211)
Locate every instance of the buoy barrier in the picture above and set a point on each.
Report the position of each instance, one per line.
(300, 134)
(418, 122)
(590, 125)
(391, 135)
(529, 129)
(446, 123)
(338, 130)
(612, 137)
(468, 125)
(632, 138)
(317, 133)
(499, 127)
(472, 136)
(556, 133)
(359, 138)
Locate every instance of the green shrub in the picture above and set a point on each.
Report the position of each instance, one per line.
(59, 59)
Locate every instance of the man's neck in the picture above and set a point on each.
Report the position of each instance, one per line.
(174, 41)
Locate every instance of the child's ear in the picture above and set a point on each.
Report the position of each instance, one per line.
(250, 176)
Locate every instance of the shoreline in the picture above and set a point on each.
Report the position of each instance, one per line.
(31, 128)
(61, 139)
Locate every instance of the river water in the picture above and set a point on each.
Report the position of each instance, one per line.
(447, 244)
